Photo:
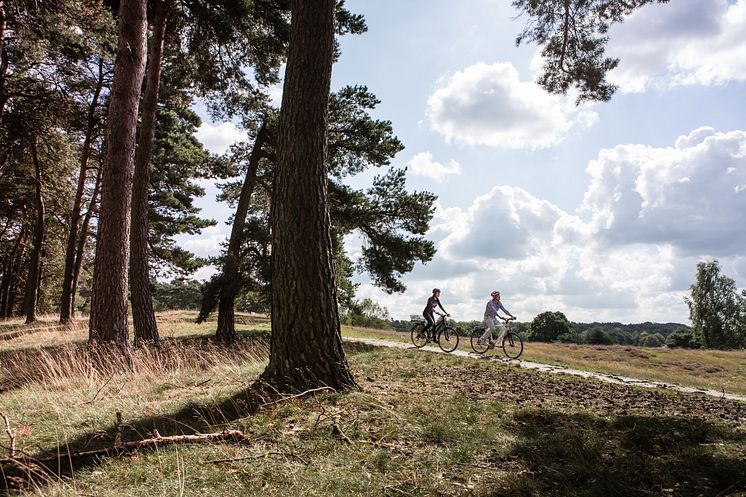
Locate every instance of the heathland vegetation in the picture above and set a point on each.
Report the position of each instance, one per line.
(421, 423)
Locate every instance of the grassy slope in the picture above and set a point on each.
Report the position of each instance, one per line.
(423, 424)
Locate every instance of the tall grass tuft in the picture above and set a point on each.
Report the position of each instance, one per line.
(92, 363)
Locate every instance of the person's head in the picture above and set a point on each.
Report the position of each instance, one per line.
(495, 295)
(436, 292)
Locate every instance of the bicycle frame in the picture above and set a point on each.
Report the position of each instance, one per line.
(440, 323)
(512, 344)
(506, 324)
(446, 337)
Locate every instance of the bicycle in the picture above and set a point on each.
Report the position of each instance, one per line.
(512, 343)
(446, 336)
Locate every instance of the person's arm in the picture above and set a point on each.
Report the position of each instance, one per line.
(441, 307)
(500, 304)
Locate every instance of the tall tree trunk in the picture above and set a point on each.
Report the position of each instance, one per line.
(82, 240)
(306, 344)
(3, 59)
(66, 304)
(143, 317)
(33, 280)
(10, 275)
(231, 282)
(108, 322)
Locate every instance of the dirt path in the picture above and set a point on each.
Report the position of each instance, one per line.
(619, 380)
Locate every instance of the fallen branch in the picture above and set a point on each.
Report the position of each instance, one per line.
(337, 432)
(125, 447)
(11, 435)
(288, 397)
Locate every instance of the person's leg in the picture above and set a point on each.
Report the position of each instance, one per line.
(430, 324)
(502, 331)
(489, 327)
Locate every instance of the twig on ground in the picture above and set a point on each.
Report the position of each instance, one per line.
(125, 447)
(97, 392)
(118, 431)
(288, 397)
(11, 435)
(337, 431)
(403, 492)
(321, 415)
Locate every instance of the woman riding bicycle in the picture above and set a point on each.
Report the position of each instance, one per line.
(490, 319)
(429, 313)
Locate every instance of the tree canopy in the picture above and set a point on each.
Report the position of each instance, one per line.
(572, 35)
(549, 326)
(716, 309)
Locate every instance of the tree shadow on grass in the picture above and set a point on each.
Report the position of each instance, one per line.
(195, 418)
(559, 453)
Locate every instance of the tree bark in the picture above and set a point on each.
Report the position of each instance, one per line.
(143, 316)
(33, 280)
(82, 240)
(68, 280)
(306, 344)
(10, 275)
(226, 330)
(3, 59)
(108, 321)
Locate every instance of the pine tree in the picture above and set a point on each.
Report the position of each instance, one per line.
(306, 344)
(108, 322)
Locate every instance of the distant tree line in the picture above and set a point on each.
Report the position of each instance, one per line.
(554, 327)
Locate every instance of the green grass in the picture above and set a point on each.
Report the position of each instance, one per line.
(422, 424)
(713, 369)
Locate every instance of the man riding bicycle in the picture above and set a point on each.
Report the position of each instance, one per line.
(490, 319)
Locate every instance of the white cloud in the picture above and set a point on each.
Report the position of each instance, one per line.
(218, 138)
(631, 261)
(507, 223)
(687, 195)
(275, 94)
(208, 242)
(488, 104)
(422, 164)
(686, 42)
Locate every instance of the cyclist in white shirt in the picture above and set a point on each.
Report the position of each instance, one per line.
(491, 323)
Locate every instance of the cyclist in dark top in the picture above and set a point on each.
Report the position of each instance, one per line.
(429, 311)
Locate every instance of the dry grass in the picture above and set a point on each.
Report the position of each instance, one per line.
(423, 424)
(55, 365)
(713, 369)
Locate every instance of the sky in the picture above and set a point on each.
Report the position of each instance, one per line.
(600, 211)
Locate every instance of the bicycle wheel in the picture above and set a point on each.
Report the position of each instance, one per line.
(475, 345)
(418, 335)
(513, 345)
(448, 339)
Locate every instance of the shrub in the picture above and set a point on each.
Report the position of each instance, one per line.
(549, 326)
